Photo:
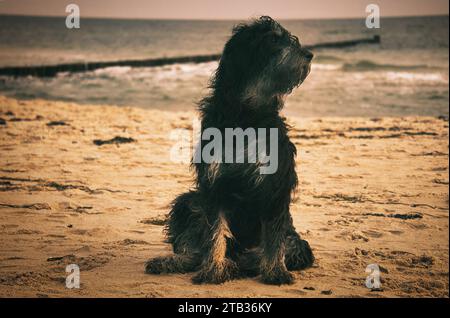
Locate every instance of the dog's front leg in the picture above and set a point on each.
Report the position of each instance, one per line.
(273, 269)
(217, 267)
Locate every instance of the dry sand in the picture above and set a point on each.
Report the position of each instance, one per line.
(102, 207)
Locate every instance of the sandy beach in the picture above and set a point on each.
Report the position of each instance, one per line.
(371, 191)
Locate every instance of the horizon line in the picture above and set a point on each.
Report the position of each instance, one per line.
(219, 19)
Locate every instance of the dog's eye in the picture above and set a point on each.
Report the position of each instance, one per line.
(276, 39)
(273, 37)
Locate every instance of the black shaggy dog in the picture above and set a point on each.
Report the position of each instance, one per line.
(237, 222)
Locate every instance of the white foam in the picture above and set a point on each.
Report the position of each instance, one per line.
(113, 71)
(408, 76)
(326, 67)
(160, 73)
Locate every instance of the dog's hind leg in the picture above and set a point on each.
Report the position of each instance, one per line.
(298, 252)
(217, 267)
(273, 268)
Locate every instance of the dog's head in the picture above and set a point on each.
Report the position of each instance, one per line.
(263, 60)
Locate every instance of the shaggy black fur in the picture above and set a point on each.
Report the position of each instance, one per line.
(237, 222)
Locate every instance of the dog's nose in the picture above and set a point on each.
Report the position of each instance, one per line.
(308, 55)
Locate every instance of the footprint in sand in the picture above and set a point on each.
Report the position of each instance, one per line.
(133, 242)
(353, 236)
(85, 263)
(373, 234)
(396, 232)
(158, 220)
(27, 232)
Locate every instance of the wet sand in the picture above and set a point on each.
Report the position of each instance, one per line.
(371, 191)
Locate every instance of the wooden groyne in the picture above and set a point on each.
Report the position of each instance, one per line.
(52, 70)
(337, 45)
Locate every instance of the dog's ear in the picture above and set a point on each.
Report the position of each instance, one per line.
(241, 48)
(237, 55)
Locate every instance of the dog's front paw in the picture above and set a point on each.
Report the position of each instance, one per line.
(217, 274)
(278, 276)
(299, 255)
(155, 266)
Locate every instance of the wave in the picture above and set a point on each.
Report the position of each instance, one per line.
(326, 67)
(327, 58)
(423, 77)
(183, 71)
(366, 65)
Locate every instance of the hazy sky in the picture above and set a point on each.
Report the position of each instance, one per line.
(224, 9)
